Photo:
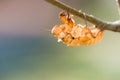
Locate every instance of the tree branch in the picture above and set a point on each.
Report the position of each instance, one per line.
(113, 26)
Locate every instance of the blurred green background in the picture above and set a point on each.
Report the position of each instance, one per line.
(28, 51)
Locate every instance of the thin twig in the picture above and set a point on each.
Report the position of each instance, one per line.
(113, 26)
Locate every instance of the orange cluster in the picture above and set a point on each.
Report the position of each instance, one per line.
(75, 35)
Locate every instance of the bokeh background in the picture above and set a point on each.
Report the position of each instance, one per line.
(28, 51)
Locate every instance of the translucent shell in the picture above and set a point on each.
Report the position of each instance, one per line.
(75, 35)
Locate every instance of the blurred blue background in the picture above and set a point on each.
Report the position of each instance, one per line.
(28, 51)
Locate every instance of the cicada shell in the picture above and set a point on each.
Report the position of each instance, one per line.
(75, 35)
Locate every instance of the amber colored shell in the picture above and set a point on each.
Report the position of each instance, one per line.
(75, 35)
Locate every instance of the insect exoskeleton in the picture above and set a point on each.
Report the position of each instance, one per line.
(75, 35)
